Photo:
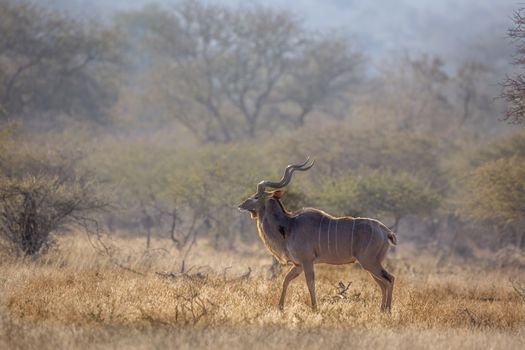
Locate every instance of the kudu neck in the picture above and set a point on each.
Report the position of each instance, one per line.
(273, 223)
(275, 213)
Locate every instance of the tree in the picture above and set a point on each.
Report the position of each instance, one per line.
(396, 194)
(50, 65)
(341, 150)
(226, 73)
(206, 188)
(514, 86)
(502, 148)
(412, 94)
(473, 98)
(495, 193)
(379, 192)
(321, 77)
(177, 193)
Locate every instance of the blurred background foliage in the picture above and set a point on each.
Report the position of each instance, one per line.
(174, 114)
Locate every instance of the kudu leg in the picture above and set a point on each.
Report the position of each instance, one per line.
(291, 275)
(384, 278)
(389, 289)
(310, 282)
(384, 291)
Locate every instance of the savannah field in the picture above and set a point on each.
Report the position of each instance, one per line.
(76, 298)
(131, 131)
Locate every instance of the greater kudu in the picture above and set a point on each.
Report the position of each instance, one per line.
(310, 236)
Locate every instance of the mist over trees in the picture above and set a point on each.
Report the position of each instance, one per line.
(183, 109)
(51, 65)
(226, 73)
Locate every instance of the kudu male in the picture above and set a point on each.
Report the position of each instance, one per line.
(310, 236)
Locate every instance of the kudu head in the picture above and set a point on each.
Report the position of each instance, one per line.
(257, 202)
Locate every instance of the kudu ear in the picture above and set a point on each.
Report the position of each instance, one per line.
(277, 194)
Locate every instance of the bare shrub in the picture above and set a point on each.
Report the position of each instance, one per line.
(32, 207)
(42, 192)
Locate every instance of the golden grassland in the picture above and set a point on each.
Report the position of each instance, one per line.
(75, 297)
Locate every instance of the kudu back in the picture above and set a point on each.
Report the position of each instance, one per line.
(310, 236)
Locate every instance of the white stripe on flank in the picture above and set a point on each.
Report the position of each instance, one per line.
(336, 254)
(319, 233)
(352, 240)
(329, 224)
(370, 234)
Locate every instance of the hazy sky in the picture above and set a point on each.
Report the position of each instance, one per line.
(448, 28)
(452, 29)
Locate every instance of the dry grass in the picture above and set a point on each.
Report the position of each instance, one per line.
(75, 298)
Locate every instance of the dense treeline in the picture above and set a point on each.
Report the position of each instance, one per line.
(172, 116)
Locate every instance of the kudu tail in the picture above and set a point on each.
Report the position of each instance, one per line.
(392, 238)
(391, 235)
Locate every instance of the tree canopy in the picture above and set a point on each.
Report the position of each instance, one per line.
(229, 73)
(52, 65)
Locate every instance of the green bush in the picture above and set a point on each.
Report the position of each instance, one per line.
(495, 191)
(378, 193)
(504, 147)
